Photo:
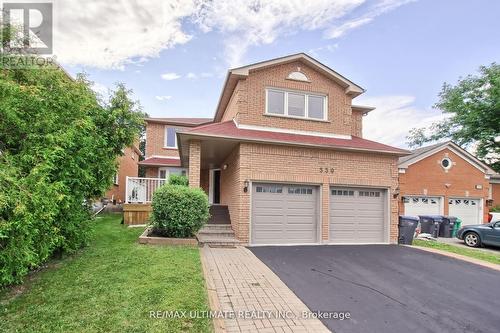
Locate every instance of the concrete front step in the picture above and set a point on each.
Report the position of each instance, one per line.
(214, 241)
(216, 227)
(221, 232)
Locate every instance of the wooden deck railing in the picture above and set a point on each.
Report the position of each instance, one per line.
(140, 190)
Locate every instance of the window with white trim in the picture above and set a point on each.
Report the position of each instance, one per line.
(170, 137)
(296, 104)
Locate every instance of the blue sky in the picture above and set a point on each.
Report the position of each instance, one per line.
(400, 51)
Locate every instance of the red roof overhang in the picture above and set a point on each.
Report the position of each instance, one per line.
(161, 161)
(229, 130)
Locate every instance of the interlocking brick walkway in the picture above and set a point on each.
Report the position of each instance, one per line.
(240, 284)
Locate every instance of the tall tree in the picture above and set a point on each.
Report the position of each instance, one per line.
(472, 110)
(58, 148)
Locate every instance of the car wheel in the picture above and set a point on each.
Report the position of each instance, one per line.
(472, 239)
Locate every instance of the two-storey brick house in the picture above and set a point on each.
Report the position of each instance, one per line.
(285, 154)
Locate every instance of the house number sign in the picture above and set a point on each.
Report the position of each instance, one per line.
(326, 170)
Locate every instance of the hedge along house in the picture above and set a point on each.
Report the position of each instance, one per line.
(285, 157)
(445, 179)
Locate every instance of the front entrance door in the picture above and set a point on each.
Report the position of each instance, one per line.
(214, 187)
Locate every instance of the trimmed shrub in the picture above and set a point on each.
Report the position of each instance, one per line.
(179, 211)
(178, 180)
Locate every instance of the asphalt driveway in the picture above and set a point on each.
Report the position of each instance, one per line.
(388, 288)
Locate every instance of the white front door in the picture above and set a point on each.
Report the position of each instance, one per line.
(415, 206)
(467, 210)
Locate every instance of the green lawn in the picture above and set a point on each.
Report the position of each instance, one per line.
(110, 286)
(486, 256)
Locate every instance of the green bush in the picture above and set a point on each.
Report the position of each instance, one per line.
(495, 209)
(178, 180)
(179, 211)
(58, 147)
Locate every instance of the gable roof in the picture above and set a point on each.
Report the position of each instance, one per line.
(229, 130)
(235, 74)
(424, 152)
(188, 122)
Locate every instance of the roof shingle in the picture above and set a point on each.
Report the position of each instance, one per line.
(229, 129)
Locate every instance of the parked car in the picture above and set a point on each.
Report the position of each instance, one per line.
(477, 235)
(493, 217)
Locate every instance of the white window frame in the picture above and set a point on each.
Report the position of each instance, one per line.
(170, 170)
(165, 143)
(116, 179)
(306, 104)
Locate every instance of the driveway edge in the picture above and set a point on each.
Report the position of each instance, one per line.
(213, 299)
(458, 256)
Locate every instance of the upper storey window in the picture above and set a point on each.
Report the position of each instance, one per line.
(296, 104)
(170, 137)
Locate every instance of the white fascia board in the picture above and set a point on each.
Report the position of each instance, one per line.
(290, 131)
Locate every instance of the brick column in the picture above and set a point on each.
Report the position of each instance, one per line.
(194, 163)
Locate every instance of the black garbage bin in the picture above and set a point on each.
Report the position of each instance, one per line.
(407, 226)
(446, 227)
(429, 224)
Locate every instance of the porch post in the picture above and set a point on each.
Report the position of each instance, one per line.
(194, 163)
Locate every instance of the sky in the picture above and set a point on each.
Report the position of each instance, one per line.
(175, 54)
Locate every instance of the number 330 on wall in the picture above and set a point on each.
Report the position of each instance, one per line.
(326, 170)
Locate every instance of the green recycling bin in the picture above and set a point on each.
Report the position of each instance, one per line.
(456, 227)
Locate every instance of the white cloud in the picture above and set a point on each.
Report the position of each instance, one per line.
(377, 9)
(163, 98)
(100, 88)
(245, 24)
(113, 34)
(394, 117)
(170, 76)
(194, 76)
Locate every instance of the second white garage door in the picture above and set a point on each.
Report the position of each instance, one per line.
(284, 214)
(415, 206)
(467, 210)
(357, 215)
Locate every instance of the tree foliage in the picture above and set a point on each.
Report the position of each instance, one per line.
(178, 180)
(472, 109)
(58, 147)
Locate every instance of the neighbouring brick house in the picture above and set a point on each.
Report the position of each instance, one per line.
(444, 179)
(284, 155)
(162, 154)
(495, 190)
(127, 166)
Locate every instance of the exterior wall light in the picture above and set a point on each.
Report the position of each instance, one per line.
(245, 186)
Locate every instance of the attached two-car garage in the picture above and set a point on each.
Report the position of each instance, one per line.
(291, 214)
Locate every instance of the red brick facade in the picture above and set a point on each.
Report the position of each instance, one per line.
(127, 166)
(247, 104)
(495, 194)
(428, 178)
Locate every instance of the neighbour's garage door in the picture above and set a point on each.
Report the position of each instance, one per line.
(415, 206)
(284, 214)
(467, 210)
(357, 215)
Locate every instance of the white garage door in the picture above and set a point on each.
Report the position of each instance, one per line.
(468, 210)
(284, 214)
(415, 206)
(357, 215)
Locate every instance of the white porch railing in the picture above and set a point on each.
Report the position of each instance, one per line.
(140, 190)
